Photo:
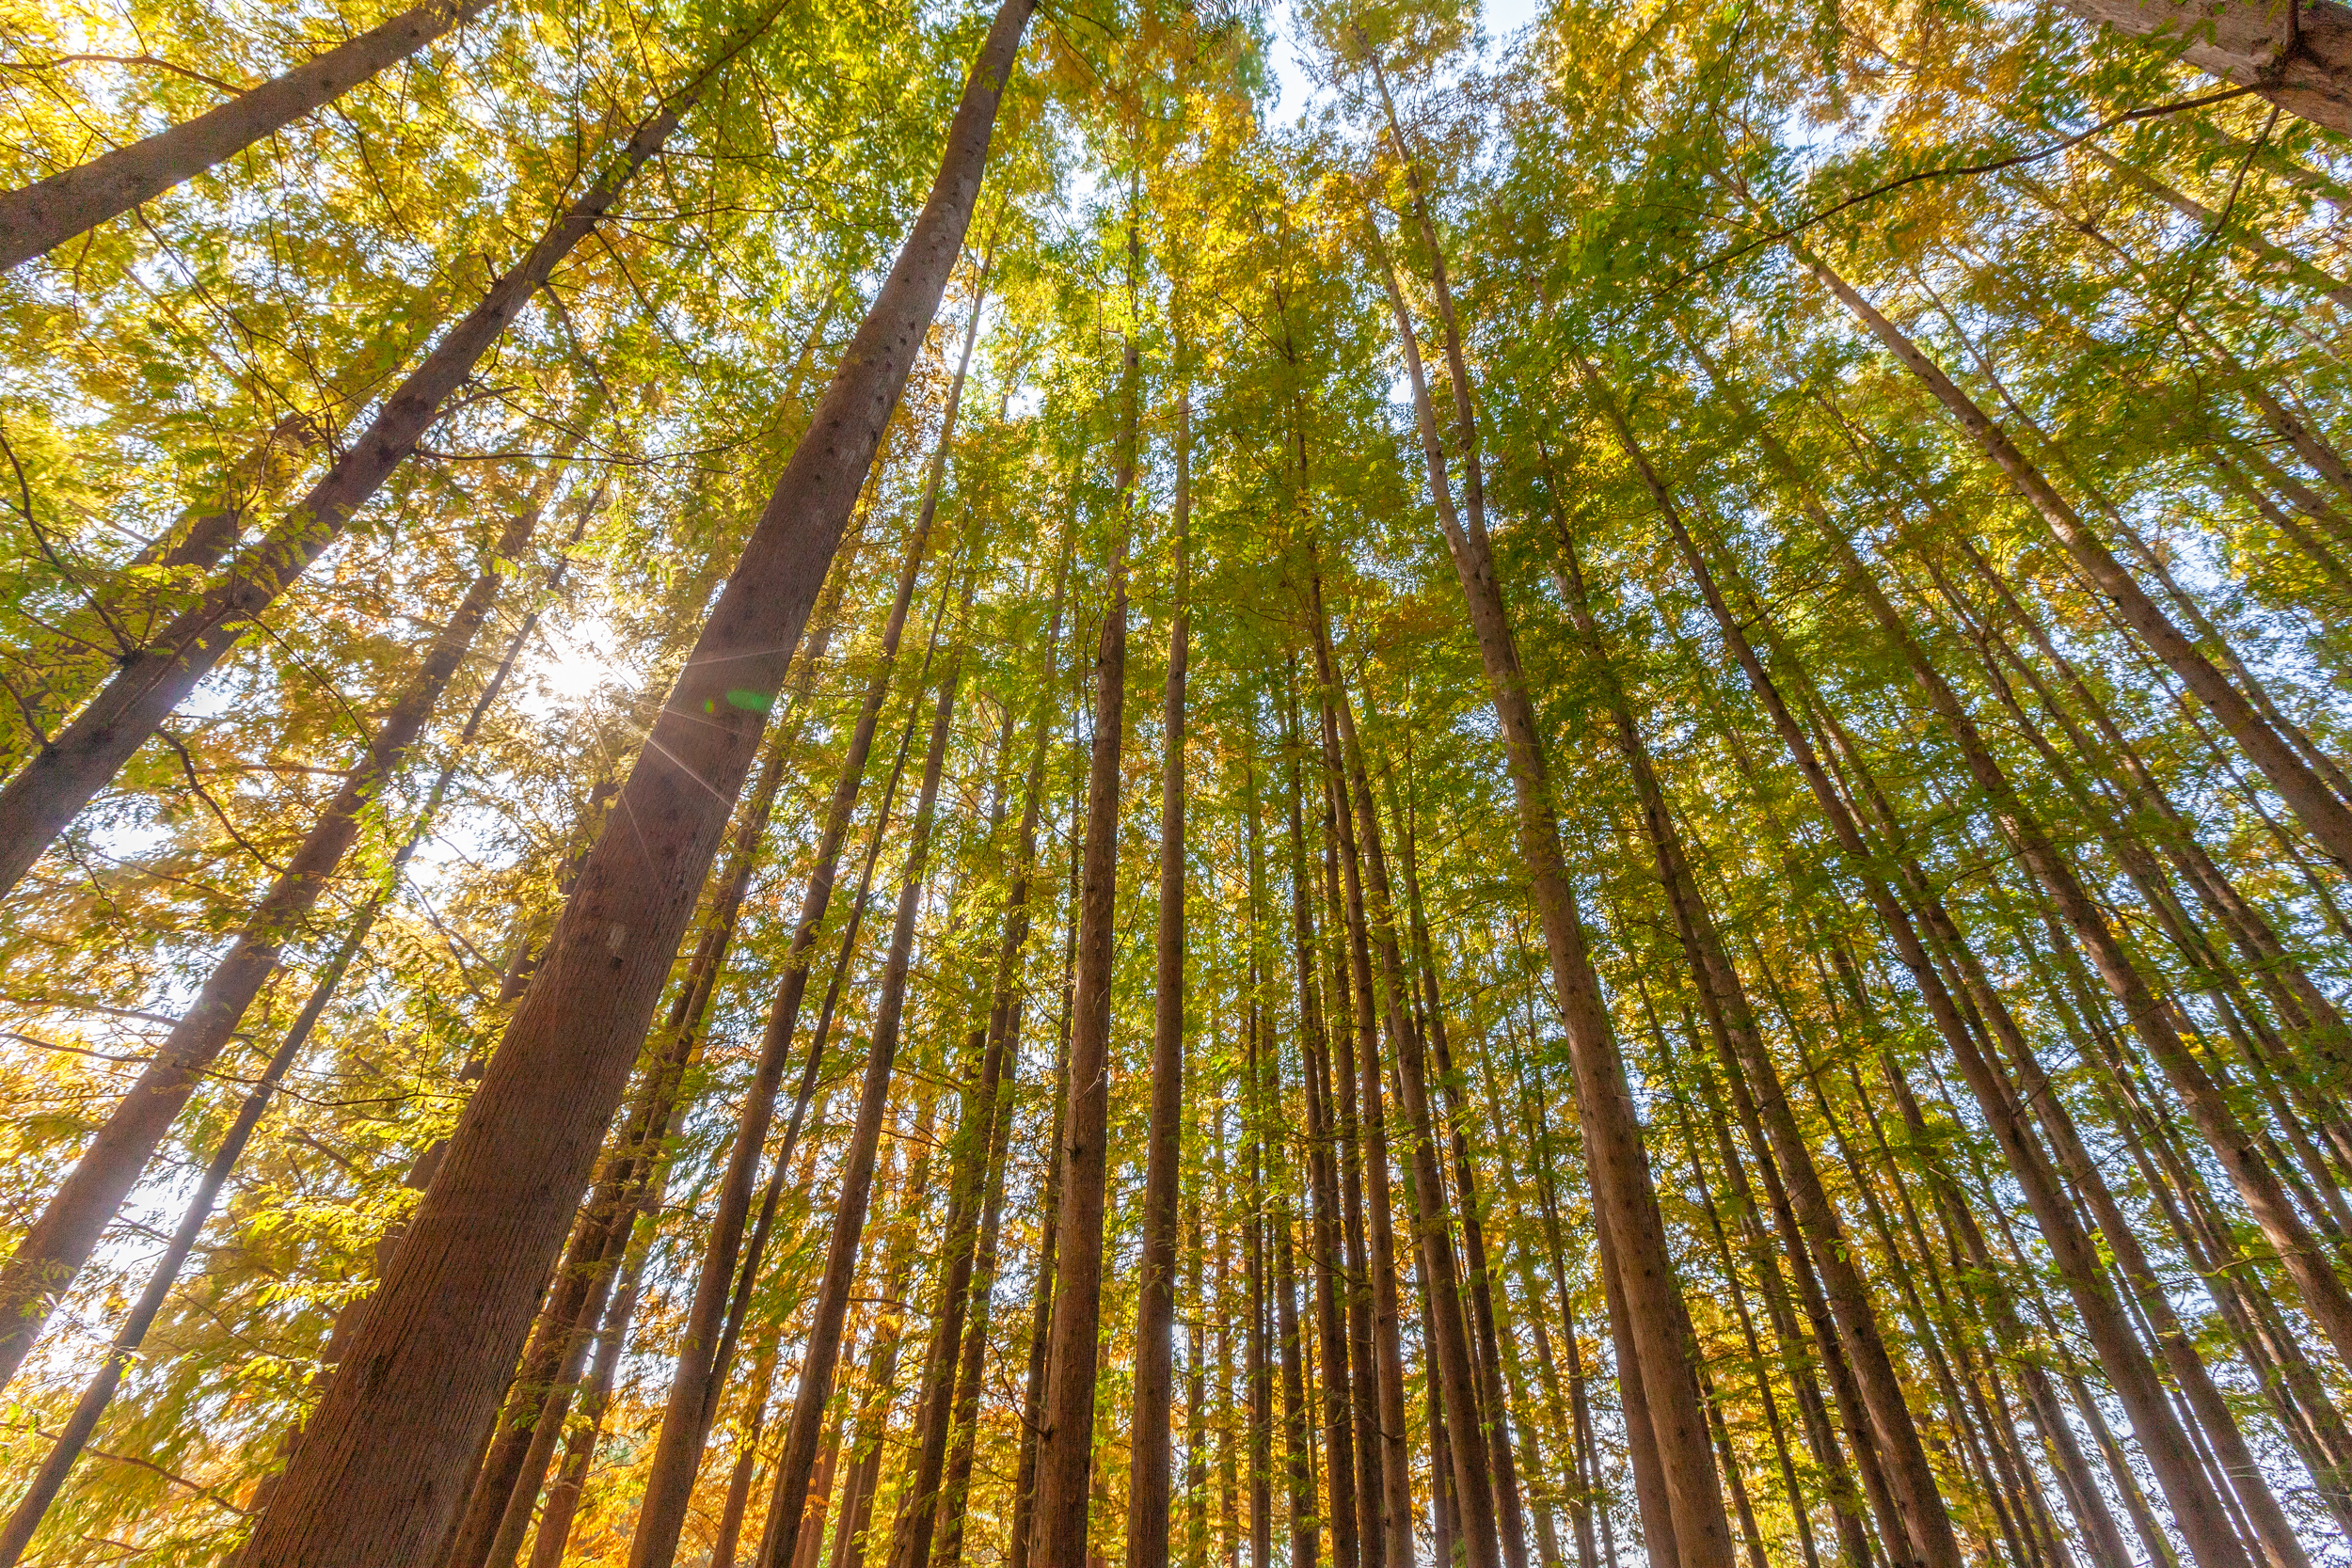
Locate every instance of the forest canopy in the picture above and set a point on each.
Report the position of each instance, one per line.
(1176, 781)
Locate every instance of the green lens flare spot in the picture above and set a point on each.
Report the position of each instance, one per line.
(750, 702)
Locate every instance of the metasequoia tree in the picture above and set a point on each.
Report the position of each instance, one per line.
(1681, 896)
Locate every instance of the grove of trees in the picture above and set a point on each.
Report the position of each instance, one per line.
(1142, 781)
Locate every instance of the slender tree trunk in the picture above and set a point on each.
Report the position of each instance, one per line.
(2135, 1380)
(2322, 813)
(1626, 1207)
(700, 1375)
(44, 795)
(40, 217)
(1018, 1552)
(798, 1458)
(1066, 1427)
(580, 1445)
(61, 1241)
(1465, 1443)
(375, 1478)
(1339, 1445)
(1927, 1527)
(1151, 1430)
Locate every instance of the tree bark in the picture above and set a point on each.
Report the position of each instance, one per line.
(2299, 57)
(61, 1239)
(50, 789)
(375, 1478)
(699, 1376)
(42, 215)
(1757, 1086)
(1066, 1430)
(1151, 1429)
(1626, 1207)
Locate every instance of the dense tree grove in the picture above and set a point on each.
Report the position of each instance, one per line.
(793, 786)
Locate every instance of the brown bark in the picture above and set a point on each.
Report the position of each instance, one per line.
(375, 1480)
(1626, 1207)
(44, 795)
(1325, 1235)
(1049, 1217)
(2322, 813)
(1150, 1468)
(40, 217)
(1755, 1081)
(1066, 1429)
(61, 1240)
(799, 1456)
(1385, 1434)
(579, 1444)
(700, 1374)
(1466, 1440)
(1299, 1469)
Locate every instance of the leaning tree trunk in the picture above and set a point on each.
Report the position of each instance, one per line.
(2127, 1366)
(379, 1472)
(59, 1242)
(1626, 1203)
(856, 1180)
(694, 1384)
(46, 214)
(44, 796)
(2323, 813)
(1926, 1523)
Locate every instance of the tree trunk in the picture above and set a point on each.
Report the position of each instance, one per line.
(1339, 1445)
(1626, 1207)
(45, 795)
(700, 1375)
(1018, 1551)
(2322, 813)
(1066, 1429)
(2298, 58)
(1151, 1429)
(40, 217)
(61, 1241)
(1926, 1523)
(799, 1457)
(375, 1478)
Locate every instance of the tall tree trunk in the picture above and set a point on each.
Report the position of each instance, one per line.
(42, 215)
(1066, 1429)
(1151, 1430)
(798, 1458)
(1491, 1350)
(699, 1376)
(44, 795)
(1325, 1235)
(2119, 1351)
(100, 1390)
(2323, 813)
(1465, 1443)
(1927, 1527)
(1387, 1433)
(61, 1240)
(1018, 1552)
(579, 1443)
(1626, 1207)
(375, 1478)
